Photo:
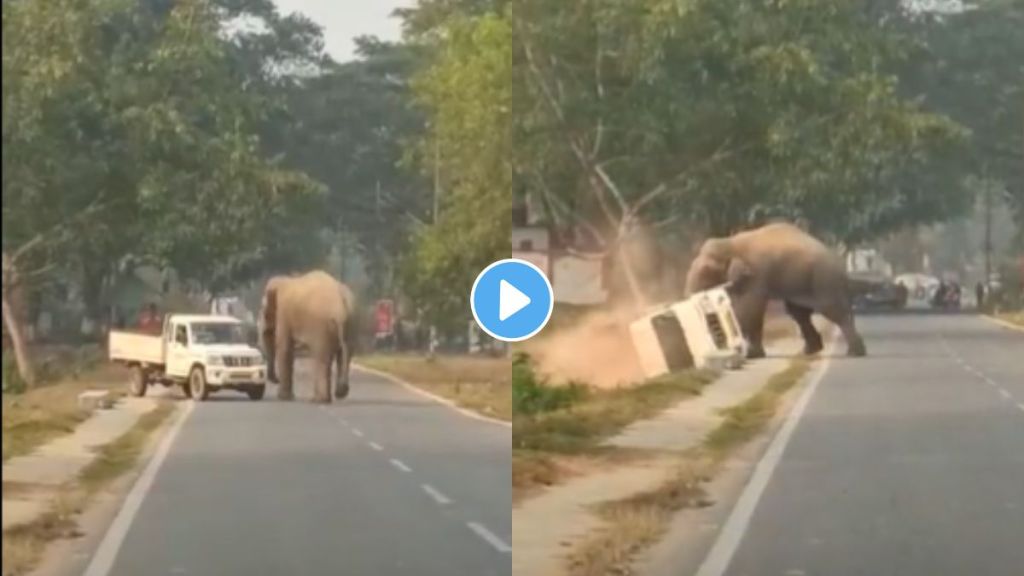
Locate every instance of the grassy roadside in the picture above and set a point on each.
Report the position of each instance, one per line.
(40, 414)
(637, 522)
(557, 431)
(1015, 318)
(23, 545)
(480, 384)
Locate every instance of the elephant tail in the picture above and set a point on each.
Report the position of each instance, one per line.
(348, 331)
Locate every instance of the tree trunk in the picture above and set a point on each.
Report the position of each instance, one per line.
(92, 294)
(21, 353)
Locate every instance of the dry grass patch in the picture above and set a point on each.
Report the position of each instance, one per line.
(476, 383)
(24, 544)
(40, 414)
(634, 523)
(600, 414)
(1015, 318)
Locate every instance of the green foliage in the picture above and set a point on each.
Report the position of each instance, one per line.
(723, 114)
(131, 130)
(360, 112)
(466, 93)
(532, 395)
(969, 68)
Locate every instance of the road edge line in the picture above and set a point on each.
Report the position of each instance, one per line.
(106, 553)
(439, 399)
(729, 538)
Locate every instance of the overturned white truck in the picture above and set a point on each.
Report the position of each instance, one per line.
(701, 331)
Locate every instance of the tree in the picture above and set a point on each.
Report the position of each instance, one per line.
(466, 93)
(721, 115)
(969, 68)
(347, 128)
(131, 132)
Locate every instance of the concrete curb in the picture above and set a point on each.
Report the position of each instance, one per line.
(439, 399)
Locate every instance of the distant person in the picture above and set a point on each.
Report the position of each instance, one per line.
(979, 294)
(149, 319)
(954, 296)
(902, 294)
(939, 298)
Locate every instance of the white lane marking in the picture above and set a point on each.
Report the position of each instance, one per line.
(400, 465)
(728, 541)
(103, 560)
(1005, 394)
(357, 432)
(489, 536)
(436, 494)
(1021, 406)
(434, 397)
(376, 446)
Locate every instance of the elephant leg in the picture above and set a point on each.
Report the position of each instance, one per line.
(842, 316)
(344, 359)
(750, 311)
(802, 316)
(322, 377)
(285, 363)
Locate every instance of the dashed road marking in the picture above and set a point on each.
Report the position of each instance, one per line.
(376, 446)
(1021, 406)
(1006, 394)
(489, 537)
(400, 465)
(436, 494)
(357, 432)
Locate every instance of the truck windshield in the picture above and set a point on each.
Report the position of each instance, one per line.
(217, 333)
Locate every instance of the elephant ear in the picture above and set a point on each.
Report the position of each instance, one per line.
(739, 275)
(269, 304)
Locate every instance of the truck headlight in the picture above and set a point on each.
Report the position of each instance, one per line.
(215, 360)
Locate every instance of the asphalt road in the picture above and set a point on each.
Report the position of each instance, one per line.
(907, 463)
(383, 483)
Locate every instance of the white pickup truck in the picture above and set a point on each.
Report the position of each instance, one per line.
(202, 353)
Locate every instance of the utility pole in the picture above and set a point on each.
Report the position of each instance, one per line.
(437, 176)
(432, 345)
(988, 233)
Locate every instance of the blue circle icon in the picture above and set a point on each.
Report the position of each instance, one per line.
(512, 300)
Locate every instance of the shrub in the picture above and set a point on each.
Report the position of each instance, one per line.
(532, 395)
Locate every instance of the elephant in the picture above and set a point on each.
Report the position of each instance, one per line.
(318, 311)
(778, 261)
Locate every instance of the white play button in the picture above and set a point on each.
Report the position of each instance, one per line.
(510, 300)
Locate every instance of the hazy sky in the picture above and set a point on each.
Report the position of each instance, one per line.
(343, 20)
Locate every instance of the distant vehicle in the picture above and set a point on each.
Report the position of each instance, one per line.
(201, 353)
(880, 295)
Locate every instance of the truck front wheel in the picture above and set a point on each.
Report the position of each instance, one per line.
(256, 392)
(138, 382)
(197, 388)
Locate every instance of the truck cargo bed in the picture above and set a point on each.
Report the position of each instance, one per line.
(133, 347)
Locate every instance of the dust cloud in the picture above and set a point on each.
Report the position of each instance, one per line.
(596, 348)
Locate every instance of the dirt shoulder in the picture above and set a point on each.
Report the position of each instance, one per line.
(480, 384)
(1014, 318)
(36, 416)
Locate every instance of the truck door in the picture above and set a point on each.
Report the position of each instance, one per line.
(177, 351)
